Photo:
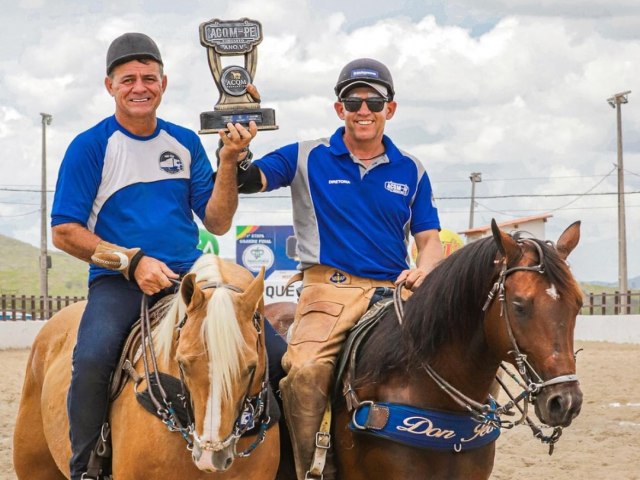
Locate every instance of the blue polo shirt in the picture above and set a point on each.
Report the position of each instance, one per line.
(355, 220)
(136, 191)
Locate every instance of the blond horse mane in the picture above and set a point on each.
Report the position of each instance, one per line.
(220, 330)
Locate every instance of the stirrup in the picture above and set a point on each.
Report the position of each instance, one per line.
(322, 445)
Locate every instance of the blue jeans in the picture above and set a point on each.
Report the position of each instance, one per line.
(113, 307)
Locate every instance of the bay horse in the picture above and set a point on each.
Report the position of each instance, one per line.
(211, 339)
(414, 402)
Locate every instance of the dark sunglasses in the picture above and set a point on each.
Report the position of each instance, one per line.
(353, 104)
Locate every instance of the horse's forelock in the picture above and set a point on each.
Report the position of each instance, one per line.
(206, 268)
(223, 339)
(220, 329)
(559, 274)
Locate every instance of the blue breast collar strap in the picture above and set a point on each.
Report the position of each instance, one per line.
(428, 429)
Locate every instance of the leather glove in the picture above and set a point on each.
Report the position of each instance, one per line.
(112, 257)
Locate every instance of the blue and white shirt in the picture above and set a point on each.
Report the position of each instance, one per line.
(136, 191)
(336, 205)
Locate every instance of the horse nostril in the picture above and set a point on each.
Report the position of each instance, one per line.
(555, 404)
(228, 463)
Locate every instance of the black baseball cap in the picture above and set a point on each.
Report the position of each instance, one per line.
(131, 46)
(365, 72)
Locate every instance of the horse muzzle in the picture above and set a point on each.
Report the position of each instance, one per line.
(557, 405)
(211, 457)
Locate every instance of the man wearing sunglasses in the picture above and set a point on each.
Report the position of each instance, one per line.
(356, 197)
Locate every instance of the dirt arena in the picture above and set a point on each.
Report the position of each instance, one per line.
(602, 443)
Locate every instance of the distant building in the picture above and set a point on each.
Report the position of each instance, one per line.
(533, 224)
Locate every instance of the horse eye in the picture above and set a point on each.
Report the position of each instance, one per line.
(519, 308)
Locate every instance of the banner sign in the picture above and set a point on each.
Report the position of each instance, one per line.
(266, 246)
(207, 242)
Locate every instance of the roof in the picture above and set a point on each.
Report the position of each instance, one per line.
(515, 221)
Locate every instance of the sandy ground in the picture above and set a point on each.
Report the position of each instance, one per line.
(602, 443)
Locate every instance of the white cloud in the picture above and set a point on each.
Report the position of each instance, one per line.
(514, 89)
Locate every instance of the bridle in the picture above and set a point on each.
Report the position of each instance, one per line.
(255, 408)
(525, 369)
(489, 413)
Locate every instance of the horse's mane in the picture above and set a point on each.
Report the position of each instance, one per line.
(220, 330)
(447, 307)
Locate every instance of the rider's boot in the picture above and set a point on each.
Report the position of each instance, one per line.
(305, 396)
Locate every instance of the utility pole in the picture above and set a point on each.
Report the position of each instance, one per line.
(616, 101)
(475, 177)
(44, 258)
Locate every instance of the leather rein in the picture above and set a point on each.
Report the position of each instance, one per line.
(254, 408)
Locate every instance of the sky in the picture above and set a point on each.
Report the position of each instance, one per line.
(514, 89)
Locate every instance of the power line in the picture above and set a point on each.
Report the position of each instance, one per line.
(523, 178)
(25, 190)
(20, 214)
(536, 195)
(466, 211)
(461, 197)
(17, 203)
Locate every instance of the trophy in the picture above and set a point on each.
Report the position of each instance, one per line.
(235, 105)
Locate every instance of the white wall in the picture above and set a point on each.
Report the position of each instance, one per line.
(605, 328)
(609, 328)
(18, 333)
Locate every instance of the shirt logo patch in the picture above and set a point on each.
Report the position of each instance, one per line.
(398, 188)
(339, 182)
(170, 162)
(338, 277)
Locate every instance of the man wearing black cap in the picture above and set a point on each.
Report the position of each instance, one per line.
(356, 197)
(126, 191)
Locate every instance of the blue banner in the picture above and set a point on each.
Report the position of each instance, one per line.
(265, 246)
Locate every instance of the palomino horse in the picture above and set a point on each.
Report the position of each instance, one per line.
(211, 338)
(418, 389)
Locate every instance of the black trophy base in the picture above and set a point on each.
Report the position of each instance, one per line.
(213, 122)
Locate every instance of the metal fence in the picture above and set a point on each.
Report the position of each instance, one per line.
(32, 307)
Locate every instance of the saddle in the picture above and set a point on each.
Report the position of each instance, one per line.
(357, 335)
(131, 351)
(404, 424)
(177, 396)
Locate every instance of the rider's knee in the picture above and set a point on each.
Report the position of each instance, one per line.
(311, 376)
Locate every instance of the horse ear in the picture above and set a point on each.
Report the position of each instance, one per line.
(253, 293)
(506, 244)
(189, 290)
(568, 240)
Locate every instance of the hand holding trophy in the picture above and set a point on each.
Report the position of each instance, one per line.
(235, 105)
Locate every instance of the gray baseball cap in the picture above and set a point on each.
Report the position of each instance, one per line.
(131, 46)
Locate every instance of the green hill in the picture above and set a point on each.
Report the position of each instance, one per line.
(20, 271)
